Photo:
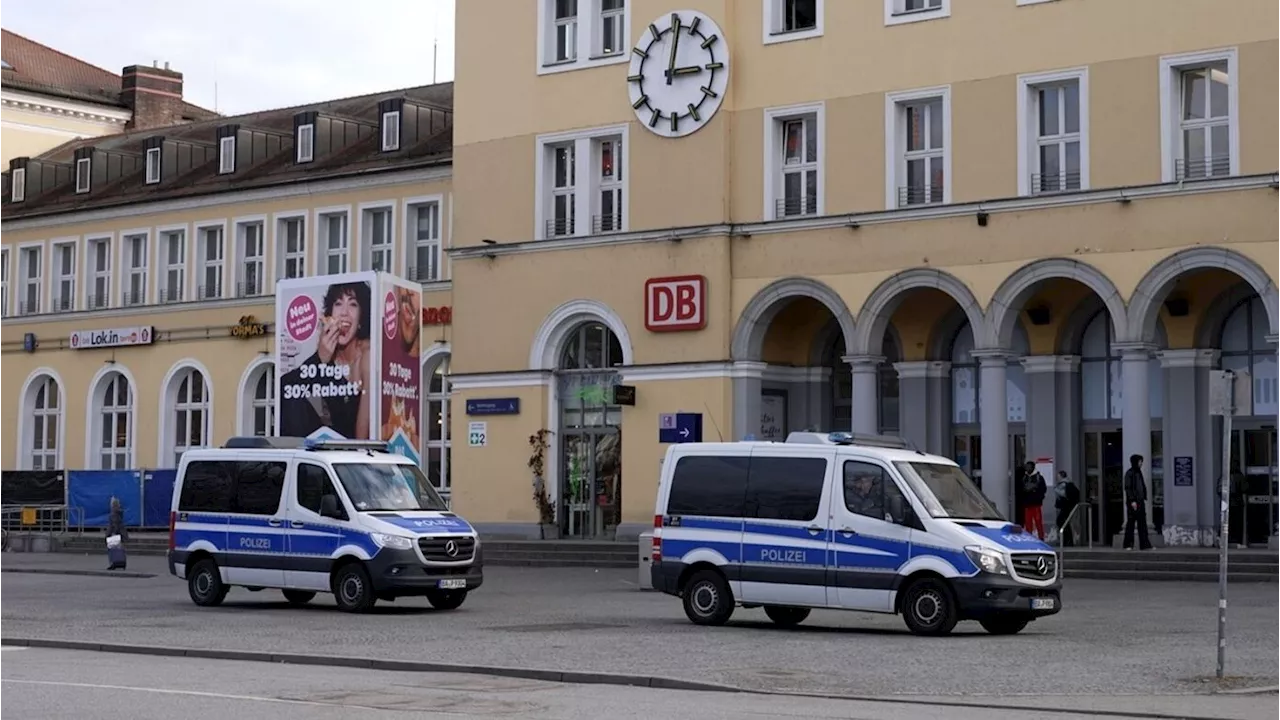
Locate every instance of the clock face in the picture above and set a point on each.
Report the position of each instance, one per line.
(679, 73)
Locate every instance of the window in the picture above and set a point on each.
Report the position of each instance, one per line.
(576, 34)
(190, 413)
(84, 172)
(4, 282)
(379, 252)
(390, 131)
(425, 228)
(314, 483)
(115, 426)
(18, 185)
(709, 485)
(785, 488)
(227, 155)
(1101, 372)
(253, 250)
(135, 248)
(582, 175)
(212, 261)
(45, 411)
(31, 280)
(259, 487)
(264, 402)
(607, 215)
(563, 185)
(566, 30)
(153, 165)
(786, 20)
(174, 246)
(1199, 115)
(306, 143)
(64, 282)
(207, 486)
(966, 385)
(438, 446)
(918, 156)
(611, 39)
(898, 12)
(1053, 132)
(335, 243)
(794, 161)
(1245, 349)
(292, 249)
(100, 273)
(871, 492)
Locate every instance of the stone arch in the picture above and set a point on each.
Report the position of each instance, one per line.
(544, 354)
(1208, 332)
(879, 307)
(753, 323)
(1019, 287)
(1144, 306)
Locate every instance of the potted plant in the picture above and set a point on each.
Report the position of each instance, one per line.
(550, 530)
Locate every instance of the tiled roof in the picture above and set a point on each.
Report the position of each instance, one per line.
(38, 68)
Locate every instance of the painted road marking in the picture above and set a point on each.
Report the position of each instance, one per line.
(166, 691)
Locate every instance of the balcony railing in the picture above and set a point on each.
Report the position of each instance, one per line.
(170, 295)
(209, 292)
(1054, 182)
(28, 307)
(97, 301)
(1204, 168)
(132, 299)
(249, 288)
(911, 195)
(606, 223)
(424, 273)
(559, 227)
(63, 304)
(796, 207)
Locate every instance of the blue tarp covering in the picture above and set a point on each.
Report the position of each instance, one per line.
(90, 492)
(157, 495)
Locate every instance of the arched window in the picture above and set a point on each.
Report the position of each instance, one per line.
(966, 396)
(1245, 347)
(586, 381)
(114, 400)
(190, 412)
(1101, 373)
(258, 400)
(591, 346)
(437, 451)
(44, 408)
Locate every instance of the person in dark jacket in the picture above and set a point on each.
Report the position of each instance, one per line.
(1033, 492)
(115, 526)
(1135, 500)
(1067, 497)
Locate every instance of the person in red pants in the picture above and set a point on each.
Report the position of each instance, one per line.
(1034, 489)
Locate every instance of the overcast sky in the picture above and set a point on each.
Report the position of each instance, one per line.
(261, 53)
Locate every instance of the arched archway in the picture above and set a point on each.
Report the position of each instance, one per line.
(111, 419)
(1011, 298)
(42, 421)
(1155, 287)
(552, 334)
(879, 308)
(759, 313)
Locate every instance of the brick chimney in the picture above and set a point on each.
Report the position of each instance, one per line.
(154, 95)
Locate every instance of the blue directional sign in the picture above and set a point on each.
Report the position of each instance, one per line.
(680, 427)
(493, 406)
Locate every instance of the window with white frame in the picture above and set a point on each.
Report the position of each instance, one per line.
(575, 34)
(425, 226)
(31, 279)
(918, 155)
(794, 162)
(135, 290)
(45, 410)
(213, 255)
(378, 252)
(564, 171)
(792, 19)
(84, 173)
(18, 185)
(306, 143)
(1199, 114)
(292, 247)
(99, 259)
(262, 401)
(897, 12)
(390, 131)
(606, 215)
(153, 166)
(4, 282)
(190, 412)
(1053, 132)
(565, 30)
(610, 37)
(334, 228)
(227, 155)
(436, 439)
(64, 277)
(253, 259)
(173, 247)
(582, 182)
(114, 400)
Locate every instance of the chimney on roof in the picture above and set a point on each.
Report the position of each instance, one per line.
(154, 95)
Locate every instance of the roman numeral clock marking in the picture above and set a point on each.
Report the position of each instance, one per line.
(678, 73)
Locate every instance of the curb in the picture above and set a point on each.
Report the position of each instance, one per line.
(561, 676)
(89, 573)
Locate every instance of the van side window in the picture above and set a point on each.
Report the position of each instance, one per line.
(710, 485)
(313, 484)
(869, 491)
(785, 488)
(206, 487)
(259, 486)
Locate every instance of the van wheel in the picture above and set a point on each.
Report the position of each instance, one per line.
(928, 608)
(298, 597)
(205, 585)
(707, 599)
(786, 616)
(446, 599)
(352, 589)
(1003, 625)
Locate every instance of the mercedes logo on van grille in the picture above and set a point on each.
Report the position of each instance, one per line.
(451, 549)
(1042, 566)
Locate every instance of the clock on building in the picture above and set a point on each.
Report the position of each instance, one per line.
(679, 73)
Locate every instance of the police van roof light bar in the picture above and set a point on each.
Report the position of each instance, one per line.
(343, 444)
(848, 438)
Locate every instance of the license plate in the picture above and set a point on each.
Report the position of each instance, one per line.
(453, 584)
(1045, 603)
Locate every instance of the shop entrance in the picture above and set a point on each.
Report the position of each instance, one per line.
(1104, 467)
(592, 482)
(1254, 487)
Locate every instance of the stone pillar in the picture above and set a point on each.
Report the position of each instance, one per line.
(993, 413)
(1135, 420)
(866, 393)
(924, 408)
(746, 377)
(1189, 510)
(1053, 422)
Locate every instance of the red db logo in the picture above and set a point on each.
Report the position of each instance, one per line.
(675, 303)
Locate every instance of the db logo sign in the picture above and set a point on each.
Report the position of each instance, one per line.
(675, 303)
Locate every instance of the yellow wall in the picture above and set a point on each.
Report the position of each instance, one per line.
(28, 133)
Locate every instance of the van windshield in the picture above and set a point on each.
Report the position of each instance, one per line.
(386, 486)
(947, 492)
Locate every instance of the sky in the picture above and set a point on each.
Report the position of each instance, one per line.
(259, 54)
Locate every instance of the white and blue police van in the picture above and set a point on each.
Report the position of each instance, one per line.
(308, 516)
(842, 522)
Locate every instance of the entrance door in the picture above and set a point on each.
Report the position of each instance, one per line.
(1253, 500)
(591, 488)
(1104, 468)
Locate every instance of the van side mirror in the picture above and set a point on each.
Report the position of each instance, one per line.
(329, 507)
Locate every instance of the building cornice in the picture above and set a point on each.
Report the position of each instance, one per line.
(46, 105)
(1050, 363)
(922, 369)
(1189, 358)
(881, 217)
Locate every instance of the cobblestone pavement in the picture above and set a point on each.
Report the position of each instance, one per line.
(1113, 638)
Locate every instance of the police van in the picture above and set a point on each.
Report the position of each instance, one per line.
(842, 522)
(306, 516)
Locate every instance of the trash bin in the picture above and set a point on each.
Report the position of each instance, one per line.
(646, 559)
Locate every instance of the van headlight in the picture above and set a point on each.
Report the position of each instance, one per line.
(395, 542)
(989, 561)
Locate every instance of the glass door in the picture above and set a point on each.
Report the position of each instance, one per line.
(1253, 500)
(1104, 468)
(591, 501)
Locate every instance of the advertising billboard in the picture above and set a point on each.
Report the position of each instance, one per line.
(400, 386)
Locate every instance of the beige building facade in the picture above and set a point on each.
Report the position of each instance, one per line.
(1007, 230)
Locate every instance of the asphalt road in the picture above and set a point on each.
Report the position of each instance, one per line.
(1113, 638)
(56, 684)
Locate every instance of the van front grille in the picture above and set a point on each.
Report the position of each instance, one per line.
(447, 549)
(1035, 566)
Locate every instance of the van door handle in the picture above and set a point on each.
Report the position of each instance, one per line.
(814, 529)
(847, 531)
(296, 524)
(274, 523)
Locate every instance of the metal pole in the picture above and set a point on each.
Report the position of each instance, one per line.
(1224, 484)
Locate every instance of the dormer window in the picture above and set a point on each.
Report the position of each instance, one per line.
(390, 131)
(306, 143)
(227, 155)
(153, 165)
(84, 171)
(18, 186)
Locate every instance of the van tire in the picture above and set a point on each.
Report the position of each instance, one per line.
(1004, 624)
(298, 597)
(707, 599)
(786, 616)
(204, 584)
(446, 599)
(352, 588)
(929, 608)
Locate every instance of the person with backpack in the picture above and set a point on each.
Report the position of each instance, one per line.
(1067, 497)
(1033, 490)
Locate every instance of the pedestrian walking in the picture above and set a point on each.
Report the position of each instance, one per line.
(1066, 498)
(117, 534)
(1135, 498)
(1033, 490)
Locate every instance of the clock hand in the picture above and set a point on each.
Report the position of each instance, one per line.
(675, 43)
(686, 70)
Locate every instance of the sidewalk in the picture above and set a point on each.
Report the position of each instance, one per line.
(141, 566)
